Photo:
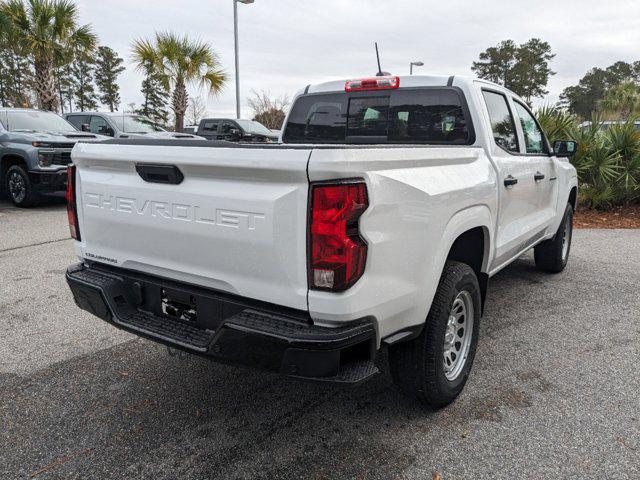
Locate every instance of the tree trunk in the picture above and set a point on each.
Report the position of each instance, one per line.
(45, 85)
(59, 87)
(179, 101)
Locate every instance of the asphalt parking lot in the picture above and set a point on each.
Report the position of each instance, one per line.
(555, 391)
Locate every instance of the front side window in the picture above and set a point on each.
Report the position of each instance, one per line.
(502, 124)
(251, 126)
(420, 116)
(135, 124)
(533, 138)
(78, 120)
(98, 125)
(227, 127)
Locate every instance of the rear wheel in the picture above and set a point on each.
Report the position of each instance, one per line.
(435, 366)
(552, 255)
(19, 187)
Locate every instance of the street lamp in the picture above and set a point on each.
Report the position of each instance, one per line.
(417, 64)
(235, 32)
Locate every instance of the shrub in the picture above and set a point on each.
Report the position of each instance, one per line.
(607, 161)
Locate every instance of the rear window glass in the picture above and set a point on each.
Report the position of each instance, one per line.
(428, 115)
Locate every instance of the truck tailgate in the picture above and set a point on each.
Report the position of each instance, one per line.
(236, 222)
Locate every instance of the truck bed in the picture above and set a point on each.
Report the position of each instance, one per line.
(237, 222)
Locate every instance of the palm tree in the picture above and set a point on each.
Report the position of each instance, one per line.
(179, 61)
(622, 99)
(45, 30)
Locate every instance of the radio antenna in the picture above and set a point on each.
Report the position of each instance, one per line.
(380, 72)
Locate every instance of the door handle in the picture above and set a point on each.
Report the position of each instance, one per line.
(159, 173)
(510, 181)
(538, 177)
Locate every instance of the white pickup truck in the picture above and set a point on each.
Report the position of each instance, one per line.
(374, 223)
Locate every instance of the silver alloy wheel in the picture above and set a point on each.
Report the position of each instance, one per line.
(17, 187)
(457, 338)
(567, 230)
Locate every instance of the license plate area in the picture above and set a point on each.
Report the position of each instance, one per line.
(179, 305)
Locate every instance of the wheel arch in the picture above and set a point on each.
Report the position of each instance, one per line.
(573, 197)
(469, 240)
(8, 160)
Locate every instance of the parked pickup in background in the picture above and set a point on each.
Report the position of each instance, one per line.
(35, 149)
(231, 130)
(377, 223)
(124, 125)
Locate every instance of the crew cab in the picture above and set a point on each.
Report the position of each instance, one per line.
(35, 149)
(375, 224)
(235, 130)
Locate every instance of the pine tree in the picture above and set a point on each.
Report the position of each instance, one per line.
(108, 67)
(82, 71)
(156, 98)
(64, 79)
(16, 78)
(66, 86)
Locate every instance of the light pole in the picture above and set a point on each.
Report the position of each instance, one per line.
(417, 64)
(235, 33)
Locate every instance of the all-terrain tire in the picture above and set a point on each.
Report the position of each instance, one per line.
(418, 366)
(19, 188)
(552, 255)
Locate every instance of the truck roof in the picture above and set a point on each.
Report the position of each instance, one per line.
(405, 81)
(110, 114)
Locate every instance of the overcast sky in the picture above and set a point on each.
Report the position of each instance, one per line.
(287, 44)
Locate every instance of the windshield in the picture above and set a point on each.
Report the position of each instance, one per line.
(135, 124)
(251, 126)
(36, 121)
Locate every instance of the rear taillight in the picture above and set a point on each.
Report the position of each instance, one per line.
(374, 83)
(337, 251)
(72, 211)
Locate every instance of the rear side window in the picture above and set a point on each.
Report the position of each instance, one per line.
(210, 126)
(425, 115)
(502, 124)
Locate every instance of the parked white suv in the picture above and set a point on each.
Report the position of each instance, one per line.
(375, 224)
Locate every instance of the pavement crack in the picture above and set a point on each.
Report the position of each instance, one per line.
(34, 245)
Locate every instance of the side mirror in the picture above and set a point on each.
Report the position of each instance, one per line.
(85, 127)
(235, 133)
(565, 148)
(104, 130)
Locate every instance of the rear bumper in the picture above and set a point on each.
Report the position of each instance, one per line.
(49, 181)
(228, 328)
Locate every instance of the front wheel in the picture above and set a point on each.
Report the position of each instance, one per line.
(435, 366)
(552, 255)
(19, 187)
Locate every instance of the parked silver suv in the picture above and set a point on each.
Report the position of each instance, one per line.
(123, 125)
(35, 149)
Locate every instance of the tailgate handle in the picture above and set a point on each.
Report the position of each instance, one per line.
(159, 173)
